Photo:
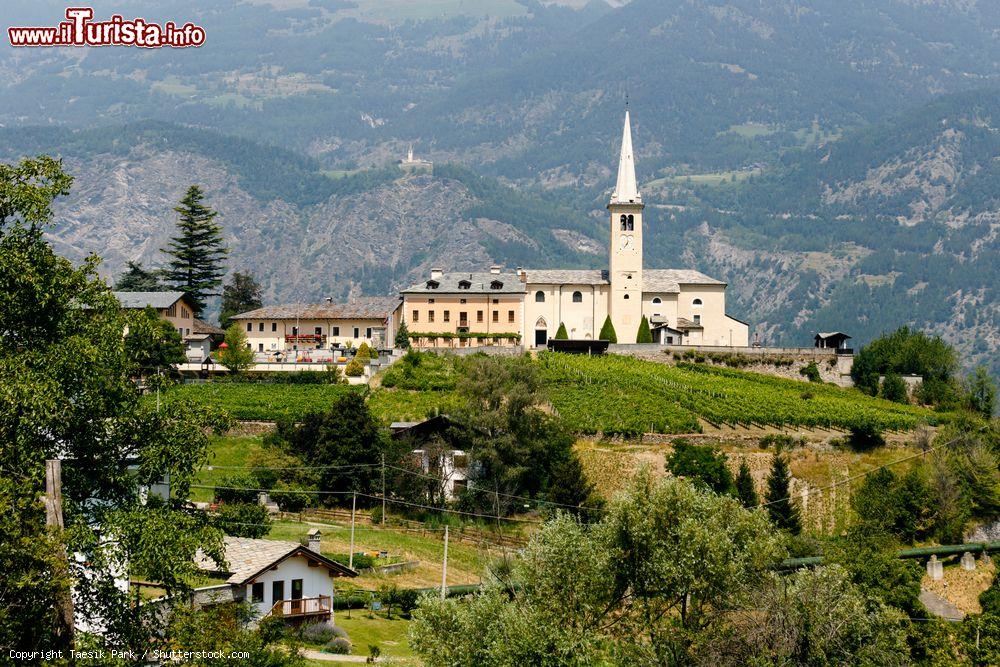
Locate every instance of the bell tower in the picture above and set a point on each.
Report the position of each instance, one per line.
(625, 267)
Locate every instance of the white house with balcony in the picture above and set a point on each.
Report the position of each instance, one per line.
(282, 579)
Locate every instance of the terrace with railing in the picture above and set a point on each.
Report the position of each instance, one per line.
(303, 607)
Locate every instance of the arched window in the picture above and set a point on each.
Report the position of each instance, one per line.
(539, 296)
(577, 297)
(696, 302)
(624, 221)
(657, 301)
(631, 223)
(626, 297)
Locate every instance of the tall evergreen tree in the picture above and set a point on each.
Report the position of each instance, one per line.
(241, 294)
(197, 252)
(561, 332)
(745, 490)
(782, 510)
(608, 331)
(644, 335)
(403, 336)
(136, 278)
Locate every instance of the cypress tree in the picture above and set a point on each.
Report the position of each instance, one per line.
(403, 336)
(782, 510)
(197, 252)
(608, 331)
(561, 333)
(745, 490)
(644, 335)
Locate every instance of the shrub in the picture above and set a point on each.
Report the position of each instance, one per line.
(354, 369)
(407, 600)
(333, 375)
(236, 488)
(338, 646)
(561, 333)
(364, 352)
(362, 561)
(865, 435)
(318, 633)
(243, 520)
(894, 389)
(290, 498)
(702, 464)
(811, 371)
(608, 331)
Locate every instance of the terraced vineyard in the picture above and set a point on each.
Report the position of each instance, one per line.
(260, 402)
(620, 395)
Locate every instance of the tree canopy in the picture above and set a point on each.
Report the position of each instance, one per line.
(197, 252)
(241, 294)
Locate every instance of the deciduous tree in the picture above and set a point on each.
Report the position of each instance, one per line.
(241, 294)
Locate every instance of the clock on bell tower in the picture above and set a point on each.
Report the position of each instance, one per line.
(625, 268)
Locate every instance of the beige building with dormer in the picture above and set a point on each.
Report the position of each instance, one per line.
(682, 306)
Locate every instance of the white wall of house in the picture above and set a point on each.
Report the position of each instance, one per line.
(270, 335)
(583, 318)
(316, 581)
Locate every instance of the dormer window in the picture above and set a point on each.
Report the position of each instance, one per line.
(496, 284)
(464, 284)
(433, 284)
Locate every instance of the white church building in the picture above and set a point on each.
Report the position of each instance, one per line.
(682, 306)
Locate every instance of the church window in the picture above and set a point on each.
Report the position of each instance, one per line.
(539, 296)
(696, 302)
(624, 221)
(697, 319)
(626, 297)
(631, 223)
(577, 297)
(657, 301)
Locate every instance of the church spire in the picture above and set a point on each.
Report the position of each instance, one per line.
(626, 190)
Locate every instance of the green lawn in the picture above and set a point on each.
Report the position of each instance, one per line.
(389, 635)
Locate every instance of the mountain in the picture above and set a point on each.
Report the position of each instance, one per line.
(305, 234)
(522, 89)
(893, 224)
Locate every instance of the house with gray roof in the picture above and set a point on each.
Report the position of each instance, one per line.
(282, 579)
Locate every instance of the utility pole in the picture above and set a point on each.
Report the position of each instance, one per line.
(354, 504)
(383, 490)
(444, 567)
(54, 519)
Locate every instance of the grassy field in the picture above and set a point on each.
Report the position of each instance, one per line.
(466, 562)
(261, 402)
(229, 451)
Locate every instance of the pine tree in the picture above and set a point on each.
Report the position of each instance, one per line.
(644, 335)
(242, 294)
(608, 331)
(782, 510)
(745, 490)
(403, 336)
(136, 278)
(197, 252)
(561, 333)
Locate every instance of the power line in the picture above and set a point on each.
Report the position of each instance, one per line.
(372, 497)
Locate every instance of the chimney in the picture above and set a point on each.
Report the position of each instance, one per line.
(313, 539)
(495, 269)
(522, 275)
(436, 273)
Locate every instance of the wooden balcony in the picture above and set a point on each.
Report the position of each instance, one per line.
(317, 606)
(310, 339)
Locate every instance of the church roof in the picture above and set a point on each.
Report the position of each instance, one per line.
(626, 190)
(653, 280)
(464, 282)
(567, 276)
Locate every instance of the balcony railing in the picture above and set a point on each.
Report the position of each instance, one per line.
(316, 606)
(306, 338)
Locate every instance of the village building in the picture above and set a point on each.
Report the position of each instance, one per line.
(279, 579)
(198, 336)
(412, 164)
(283, 332)
(682, 306)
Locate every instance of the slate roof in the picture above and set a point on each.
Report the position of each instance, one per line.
(203, 327)
(249, 557)
(369, 308)
(685, 324)
(479, 283)
(831, 334)
(654, 280)
(139, 300)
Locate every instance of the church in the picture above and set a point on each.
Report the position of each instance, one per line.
(527, 306)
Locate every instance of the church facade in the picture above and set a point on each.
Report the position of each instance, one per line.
(682, 306)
